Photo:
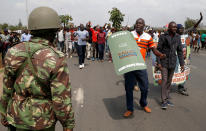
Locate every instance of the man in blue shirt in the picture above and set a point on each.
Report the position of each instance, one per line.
(83, 37)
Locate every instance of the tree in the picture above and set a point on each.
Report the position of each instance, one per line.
(13, 28)
(65, 19)
(116, 17)
(193, 23)
(190, 22)
(4, 26)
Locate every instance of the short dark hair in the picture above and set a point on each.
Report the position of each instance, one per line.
(140, 19)
(172, 22)
(47, 34)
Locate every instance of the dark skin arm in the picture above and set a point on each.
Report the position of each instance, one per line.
(4, 122)
(196, 25)
(160, 55)
(201, 17)
(157, 53)
(85, 39)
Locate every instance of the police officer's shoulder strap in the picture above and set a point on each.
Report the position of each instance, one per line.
(29, 63)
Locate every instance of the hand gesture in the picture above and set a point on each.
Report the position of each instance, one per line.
(84, 39)
(162, 56)
(182, 68)
(4, 122)
(159, 66)
(201, 14)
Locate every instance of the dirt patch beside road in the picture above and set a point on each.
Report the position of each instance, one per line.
(1, 82)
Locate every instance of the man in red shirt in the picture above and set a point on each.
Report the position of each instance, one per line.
(101, 43)
(94, 43)
(144, 41)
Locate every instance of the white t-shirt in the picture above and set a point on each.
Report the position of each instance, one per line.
(25, 37)
(60, 36)
(183, 39)
(156, 37)
(68, 36)
(82, 35)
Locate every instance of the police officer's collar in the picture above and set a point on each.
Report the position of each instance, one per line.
(39, 40)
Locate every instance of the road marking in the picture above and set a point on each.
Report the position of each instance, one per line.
(75, 92)
(80, 97)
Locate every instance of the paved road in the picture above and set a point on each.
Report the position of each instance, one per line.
(99, 101)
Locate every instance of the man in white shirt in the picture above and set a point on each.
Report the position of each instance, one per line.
(60, 38)
(68, 42)
(25, 36)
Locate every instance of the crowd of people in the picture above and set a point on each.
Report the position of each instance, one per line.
(71, 40)
(9, 39)
(39, 74)
(91, 42)
(88, 42)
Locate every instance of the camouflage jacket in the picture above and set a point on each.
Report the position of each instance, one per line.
(25, 103)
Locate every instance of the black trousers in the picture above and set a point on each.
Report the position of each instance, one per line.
(95, 49)
(12, 128)
(203, 44)
(81, 53)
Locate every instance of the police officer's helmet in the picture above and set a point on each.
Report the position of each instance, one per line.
(43, 18)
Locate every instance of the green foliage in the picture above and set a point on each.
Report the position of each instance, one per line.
(12, 27)
(202, 31)
(190, 22)
(4, 26)
(116, 17)
(65, 19)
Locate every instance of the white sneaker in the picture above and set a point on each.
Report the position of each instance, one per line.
(80, 66)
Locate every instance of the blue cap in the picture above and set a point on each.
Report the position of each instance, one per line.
(179, 26)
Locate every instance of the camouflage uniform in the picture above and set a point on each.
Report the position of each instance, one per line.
(25, 103)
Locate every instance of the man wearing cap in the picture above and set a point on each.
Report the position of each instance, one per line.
(185, 41)
(36, 91)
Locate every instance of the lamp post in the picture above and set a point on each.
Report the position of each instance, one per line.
(27, 12)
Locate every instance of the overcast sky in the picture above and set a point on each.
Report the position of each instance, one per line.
(155, 12)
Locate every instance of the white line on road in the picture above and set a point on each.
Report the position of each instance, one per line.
(80, 97)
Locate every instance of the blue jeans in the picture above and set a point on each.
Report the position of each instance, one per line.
(60, 46)
(131, 78)
(101, 51)
(106, 47)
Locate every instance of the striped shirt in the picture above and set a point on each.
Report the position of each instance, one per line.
(144, 41)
